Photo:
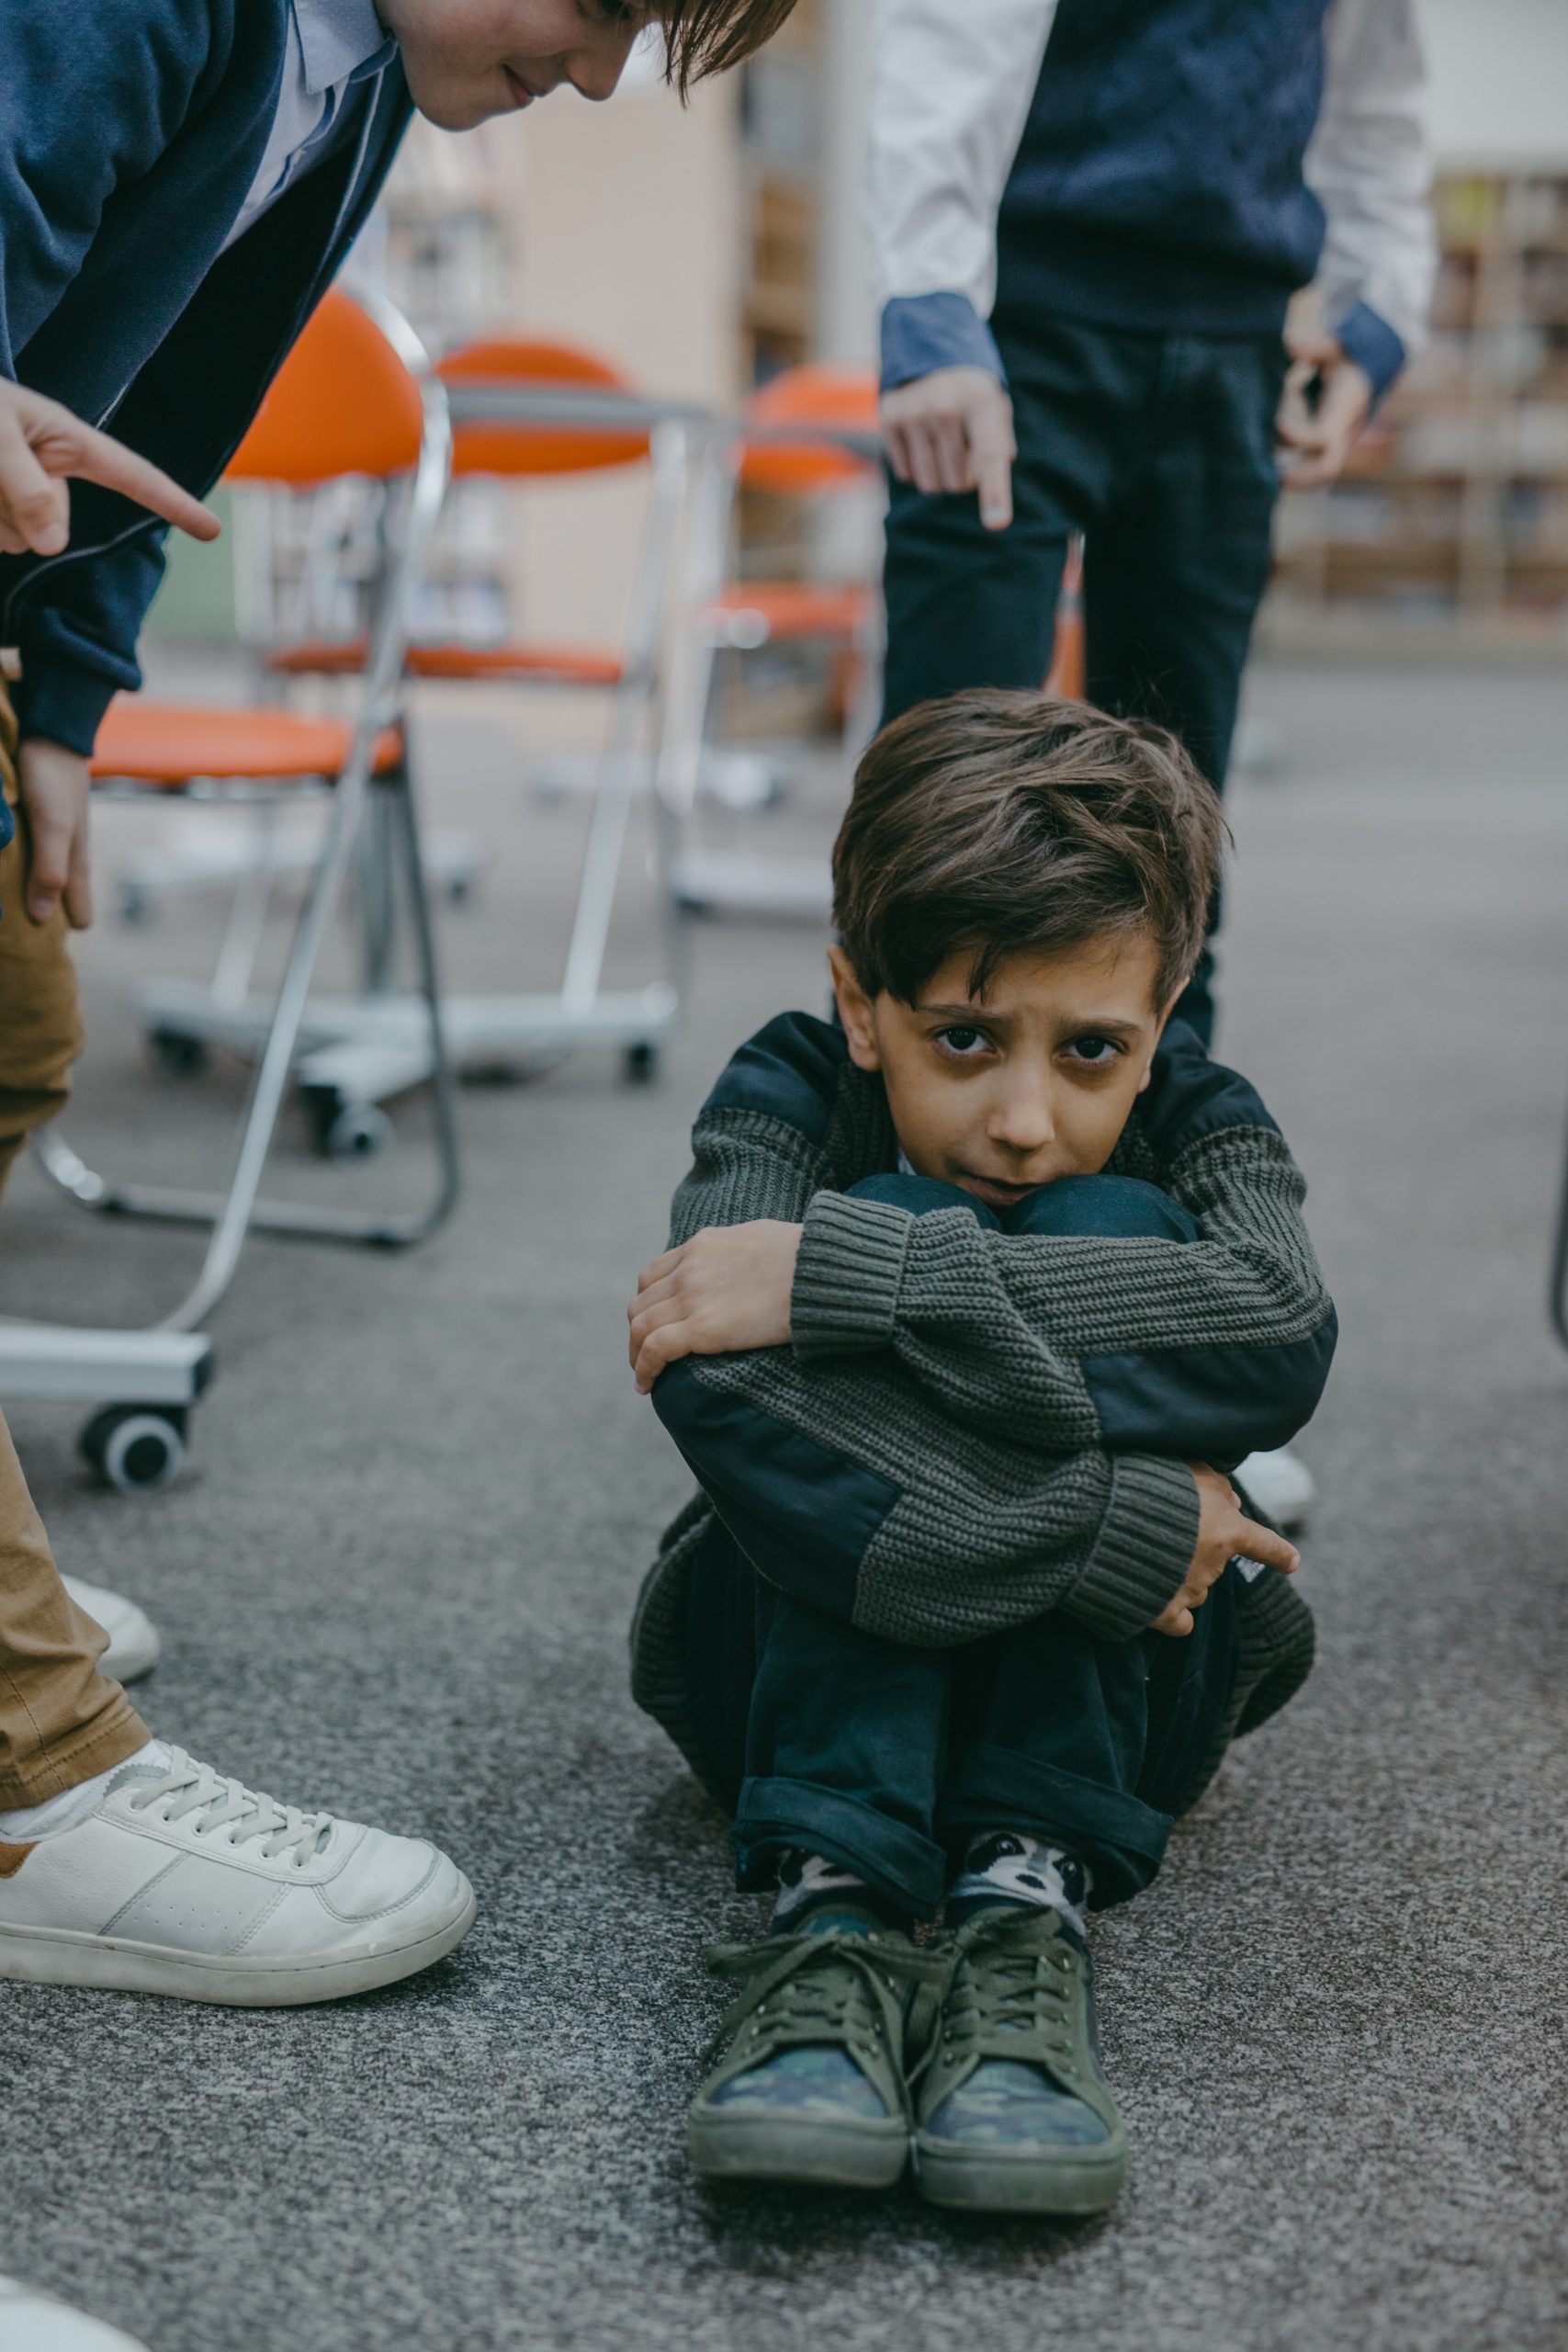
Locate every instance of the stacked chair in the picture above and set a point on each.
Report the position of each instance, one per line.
(386, 1050)
(811, 434)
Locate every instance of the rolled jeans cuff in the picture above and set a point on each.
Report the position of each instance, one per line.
(895, 1860)
(1119, 1839)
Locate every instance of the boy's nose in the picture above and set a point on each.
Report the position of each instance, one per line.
(1022, 1121)
(595, 73)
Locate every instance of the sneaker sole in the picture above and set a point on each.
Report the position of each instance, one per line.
(1072, 2184)
(100, 1963)
(853, 2154)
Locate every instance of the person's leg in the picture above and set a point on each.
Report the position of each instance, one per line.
(61, 1721)
(828, 1744)
(40, 1019)
(1176, 566)
(972, 608)
(845, 1745)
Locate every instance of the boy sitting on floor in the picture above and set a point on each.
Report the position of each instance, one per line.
(968, 1305)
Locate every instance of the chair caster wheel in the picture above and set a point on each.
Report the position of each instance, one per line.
(136, 1449)
(176, 1055)
(640, 1063)
(355, 1131)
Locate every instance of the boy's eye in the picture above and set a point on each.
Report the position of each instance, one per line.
(1095, 1052)
(962, 1040)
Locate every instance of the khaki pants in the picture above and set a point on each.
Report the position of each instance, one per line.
(61, 1720)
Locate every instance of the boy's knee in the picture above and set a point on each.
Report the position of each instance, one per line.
(1103, 1208)
(921, 1195)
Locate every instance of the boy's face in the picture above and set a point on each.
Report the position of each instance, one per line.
(1035, 1080)
(466, 59)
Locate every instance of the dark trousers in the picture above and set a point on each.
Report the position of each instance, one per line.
(887, 1757)
(1160, 449)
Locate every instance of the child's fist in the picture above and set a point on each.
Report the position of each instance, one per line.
(727, 1288)
(1224, 1530)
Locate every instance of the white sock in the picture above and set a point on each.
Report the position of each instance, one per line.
(30, 1821)
(1006, 1866)
(805, 1881)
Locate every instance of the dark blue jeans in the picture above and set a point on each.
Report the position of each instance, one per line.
(1159, 448)
(887, 1758)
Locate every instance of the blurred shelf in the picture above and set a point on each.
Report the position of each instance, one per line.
(1457, 498)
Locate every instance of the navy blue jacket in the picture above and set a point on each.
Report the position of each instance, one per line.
(131, 132)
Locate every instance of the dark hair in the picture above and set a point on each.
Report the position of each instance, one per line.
(707, 36)
(1012, 824)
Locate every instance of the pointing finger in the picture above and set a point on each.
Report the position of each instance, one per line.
(66, 446)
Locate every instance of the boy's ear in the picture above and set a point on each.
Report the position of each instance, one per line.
(854, 1011)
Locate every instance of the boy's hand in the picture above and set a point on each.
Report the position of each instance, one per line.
(953, 430)
(1326, 402)
(54, 785)
(727, 1288)
(40, 442)
(1223, 1531)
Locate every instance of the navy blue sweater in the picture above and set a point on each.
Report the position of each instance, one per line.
(1158, 182)
(131, 132)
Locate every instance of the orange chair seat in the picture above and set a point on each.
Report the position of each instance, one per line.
(576, 665)
(169, 743)
(796, 608)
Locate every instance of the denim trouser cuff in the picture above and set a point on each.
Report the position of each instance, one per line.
(894, 1859)
(1121, 1840)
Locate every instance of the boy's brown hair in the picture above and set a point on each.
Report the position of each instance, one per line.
(707, 36)
(1007, 823)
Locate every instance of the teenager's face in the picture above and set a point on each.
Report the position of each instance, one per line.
(466, 59)
(1035, 1080)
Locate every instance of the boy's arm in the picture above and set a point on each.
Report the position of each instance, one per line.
(1208, 1349)
(950, 92)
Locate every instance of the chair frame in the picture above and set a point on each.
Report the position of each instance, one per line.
(700, 880)
(360, 799)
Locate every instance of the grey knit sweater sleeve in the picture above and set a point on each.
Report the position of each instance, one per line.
(999, 1327)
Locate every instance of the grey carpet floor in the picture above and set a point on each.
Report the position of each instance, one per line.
(397, 1576)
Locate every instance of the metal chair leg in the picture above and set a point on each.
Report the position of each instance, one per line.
(233, 1214)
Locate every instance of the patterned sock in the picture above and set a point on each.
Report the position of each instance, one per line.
(809, 1884)
(1006, 1866)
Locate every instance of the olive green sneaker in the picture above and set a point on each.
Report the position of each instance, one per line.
(1013, 2114)
(809, 2086)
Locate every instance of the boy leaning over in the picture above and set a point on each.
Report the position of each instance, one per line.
(969, 1305)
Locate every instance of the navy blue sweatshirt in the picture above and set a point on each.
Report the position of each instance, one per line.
(131, 132)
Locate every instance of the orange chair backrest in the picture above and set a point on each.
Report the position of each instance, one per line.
(842, 399)
(343, 403)
(536, 448)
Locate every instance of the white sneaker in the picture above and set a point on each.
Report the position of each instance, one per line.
(31, 2321)
(182, 1881)
(1281, 1484)
(134, 1645)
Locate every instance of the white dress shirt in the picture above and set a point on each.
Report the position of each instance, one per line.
(330, 46)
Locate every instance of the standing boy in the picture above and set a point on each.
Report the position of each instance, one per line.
(1088, 218)
(179, 181)
(969, 1305)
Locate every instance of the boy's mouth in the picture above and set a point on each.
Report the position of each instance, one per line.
(996, 1194)
(522, 95)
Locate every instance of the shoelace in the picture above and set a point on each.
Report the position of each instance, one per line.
(844, 1989)
(189, 1787)
(1005, 1998)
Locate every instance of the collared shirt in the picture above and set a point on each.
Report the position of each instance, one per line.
(331, 46)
